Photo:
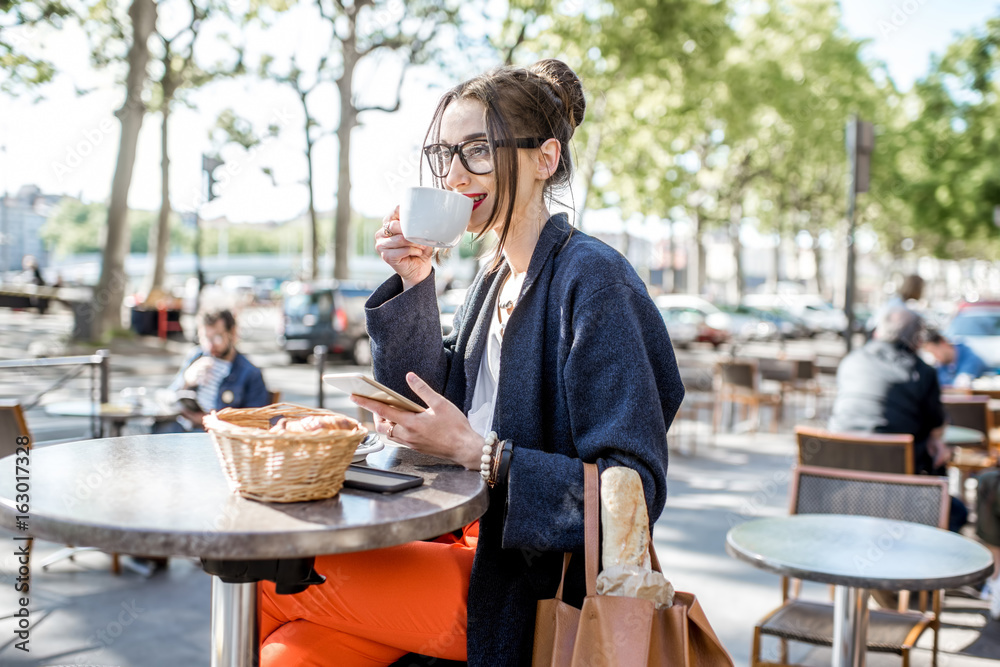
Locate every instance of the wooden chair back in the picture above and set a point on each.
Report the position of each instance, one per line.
(740, 375)
(991, 393)
(969, 411)
(778, 370)
(871, 452)
(12, 425)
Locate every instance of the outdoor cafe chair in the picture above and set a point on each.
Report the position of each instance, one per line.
(739, 384)
(12, 425)
(915, 498)
(795, 377)
(972, 411)
(870, 452)
(969, 411)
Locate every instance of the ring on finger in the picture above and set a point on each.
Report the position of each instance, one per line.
(385, 229)
(388, 433)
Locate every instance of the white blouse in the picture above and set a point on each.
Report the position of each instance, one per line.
(484, 396)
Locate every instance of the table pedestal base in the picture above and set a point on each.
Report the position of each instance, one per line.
(234, 624)
(850, 626)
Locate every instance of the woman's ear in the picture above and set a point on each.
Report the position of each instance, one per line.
(548, 159)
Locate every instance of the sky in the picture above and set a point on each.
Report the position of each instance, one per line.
(67, 144)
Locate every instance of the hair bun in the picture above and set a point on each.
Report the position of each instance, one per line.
(566, 85)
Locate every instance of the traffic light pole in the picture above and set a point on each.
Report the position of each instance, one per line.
(208, 166)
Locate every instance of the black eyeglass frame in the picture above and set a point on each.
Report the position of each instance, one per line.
(456, 149)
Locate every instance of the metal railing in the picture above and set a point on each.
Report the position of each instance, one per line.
(99, 364)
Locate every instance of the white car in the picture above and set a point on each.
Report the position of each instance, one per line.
(978, 326)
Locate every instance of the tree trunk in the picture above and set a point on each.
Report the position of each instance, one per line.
(314, 225)
(348, 121)
(668, 267)
(774, 273)
(161, 237)
(818, 258)
(735, 218)
(700, 254)
(111, 287)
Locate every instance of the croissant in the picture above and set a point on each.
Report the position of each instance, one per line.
(313, 423)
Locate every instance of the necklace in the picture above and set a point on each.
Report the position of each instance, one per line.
(505, 306)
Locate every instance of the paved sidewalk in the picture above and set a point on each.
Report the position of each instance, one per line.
(83, 615)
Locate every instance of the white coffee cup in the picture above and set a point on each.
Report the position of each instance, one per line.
(434, 217)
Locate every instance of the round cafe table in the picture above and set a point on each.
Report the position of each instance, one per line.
(963, 436)
(166, 495)
(856, 554)
(115, 414)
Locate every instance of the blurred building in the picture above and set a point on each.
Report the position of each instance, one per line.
(21, 218)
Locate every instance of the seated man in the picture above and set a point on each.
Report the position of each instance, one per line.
(220, 376)
(957, 365)
(885, 387)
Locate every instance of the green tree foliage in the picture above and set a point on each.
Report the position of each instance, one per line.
(78, 228)
(20, 22)
(948, 162)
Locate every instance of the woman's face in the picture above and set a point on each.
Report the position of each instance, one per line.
(463, 120)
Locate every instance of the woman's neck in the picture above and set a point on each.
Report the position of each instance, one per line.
(523, 237)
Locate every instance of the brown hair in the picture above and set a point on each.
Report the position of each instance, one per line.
(912, 287)
(542, 101)
(210, 317)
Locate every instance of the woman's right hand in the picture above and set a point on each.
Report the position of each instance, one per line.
(410, 261)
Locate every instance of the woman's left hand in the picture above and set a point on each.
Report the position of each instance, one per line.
(441, 430)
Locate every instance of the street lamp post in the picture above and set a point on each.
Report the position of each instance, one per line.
(860, 142)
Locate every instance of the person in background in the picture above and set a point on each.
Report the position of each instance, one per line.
(988, 531)
(910, 291)
(220, 376)
(33, 276)
(885, 387)
(957, 365)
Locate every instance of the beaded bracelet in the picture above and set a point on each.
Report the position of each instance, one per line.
(486, 465)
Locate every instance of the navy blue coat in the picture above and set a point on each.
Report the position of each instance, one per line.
(587, 373)
(245, 382)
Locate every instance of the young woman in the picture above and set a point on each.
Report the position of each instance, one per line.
(558, 356)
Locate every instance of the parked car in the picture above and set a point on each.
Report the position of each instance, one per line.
(818, 315)
(789, 326)
(682, 325)
(978, 326)
(750, 324)
(713, 324)
(330, 313)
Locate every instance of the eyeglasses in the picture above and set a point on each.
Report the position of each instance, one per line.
(476, 154)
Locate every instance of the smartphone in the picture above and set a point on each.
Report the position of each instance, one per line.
(362, 385)
(380, 481)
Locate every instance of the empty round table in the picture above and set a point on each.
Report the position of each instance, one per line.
(166, 495)
(856, 554)
(963, 435)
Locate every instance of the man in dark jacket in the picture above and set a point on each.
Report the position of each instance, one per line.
(217, 373)
(885, 387)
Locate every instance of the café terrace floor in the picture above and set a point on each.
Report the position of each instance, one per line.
(81, 614)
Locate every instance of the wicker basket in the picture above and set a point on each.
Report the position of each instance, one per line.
(281, 467)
